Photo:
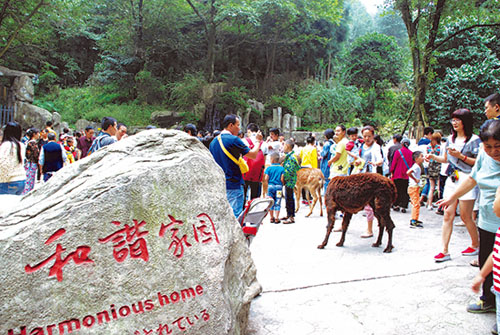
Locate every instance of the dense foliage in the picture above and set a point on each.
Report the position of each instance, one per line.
(328, 61)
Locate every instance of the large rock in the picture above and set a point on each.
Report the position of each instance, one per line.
(137, 238)
(23, 88)
(81, 124)
(29, 115)
(166, 119)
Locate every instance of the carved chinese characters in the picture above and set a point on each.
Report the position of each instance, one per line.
(124, 242)
(128, 240)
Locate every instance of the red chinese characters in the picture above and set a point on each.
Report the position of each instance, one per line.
(182, 324)
(177, 242)
(202, 232)
(128, 240)
(79, 256)
(131, 241)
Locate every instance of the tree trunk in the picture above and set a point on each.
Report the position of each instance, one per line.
(211, 39)
(420, 58)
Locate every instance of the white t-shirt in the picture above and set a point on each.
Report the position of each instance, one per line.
(371, 154)
(268, 148)
(416, 174)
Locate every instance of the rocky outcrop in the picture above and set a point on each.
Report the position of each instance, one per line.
(166, 119)
(23, 89)
(29, 115)
(137, 238)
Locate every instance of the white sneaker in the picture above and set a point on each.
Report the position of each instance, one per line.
(430, 208)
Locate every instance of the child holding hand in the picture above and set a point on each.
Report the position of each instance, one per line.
(414, 189)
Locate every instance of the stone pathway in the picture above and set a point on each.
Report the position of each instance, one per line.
(358, 289)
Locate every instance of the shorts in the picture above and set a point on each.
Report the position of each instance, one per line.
(275, 192)
(450, 187)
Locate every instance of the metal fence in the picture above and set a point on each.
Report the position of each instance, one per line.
(6, 114)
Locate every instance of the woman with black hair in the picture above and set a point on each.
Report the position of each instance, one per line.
(486, 175)
(32, 155)
(460, 152)
(12, 173)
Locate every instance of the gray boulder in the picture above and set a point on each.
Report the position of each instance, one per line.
(166, 119)
(23, 88)
(137, 238)
(81, 124)
(29, 115)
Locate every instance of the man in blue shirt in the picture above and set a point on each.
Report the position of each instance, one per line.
(106, 137)
(236, 147)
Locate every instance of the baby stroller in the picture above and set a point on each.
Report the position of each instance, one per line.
(254, 212)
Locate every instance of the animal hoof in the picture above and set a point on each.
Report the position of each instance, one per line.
(321, 246)
(308, 215)
(340, 244)
(388, 250)
(376, 245)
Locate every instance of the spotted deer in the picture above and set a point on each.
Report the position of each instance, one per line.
(311, 180)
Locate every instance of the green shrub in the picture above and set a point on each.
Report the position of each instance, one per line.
(186, 93)
(93, 103)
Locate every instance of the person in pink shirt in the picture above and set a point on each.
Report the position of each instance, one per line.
(401, 163)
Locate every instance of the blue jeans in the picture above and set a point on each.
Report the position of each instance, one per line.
(275, 192)
(14, 187)
(236, 200)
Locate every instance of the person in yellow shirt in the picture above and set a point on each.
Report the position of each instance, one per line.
(338, 163)
(309, 154)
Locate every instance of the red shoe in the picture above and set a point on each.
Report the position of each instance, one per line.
(470, 252)
(442, 257)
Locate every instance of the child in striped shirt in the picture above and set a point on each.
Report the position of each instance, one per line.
(492, 264)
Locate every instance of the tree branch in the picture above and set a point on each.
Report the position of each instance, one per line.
(438, 45)
(203, 20)
(4, 10)
(21, 25)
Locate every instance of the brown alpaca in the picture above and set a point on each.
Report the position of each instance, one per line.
(313, 181)
(351, 194)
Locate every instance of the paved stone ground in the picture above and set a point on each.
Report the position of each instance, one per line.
(358, 289)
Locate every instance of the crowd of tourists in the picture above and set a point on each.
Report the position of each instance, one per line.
(40, 153)
(456, 173)
(460, 172)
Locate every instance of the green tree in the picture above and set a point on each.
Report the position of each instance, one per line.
(14, 17)
(467, 70)
(360, 22)
(424, 25)
(375, 58)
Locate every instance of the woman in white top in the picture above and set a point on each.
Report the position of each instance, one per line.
(12, 173)
(460, 152)
(370, 154)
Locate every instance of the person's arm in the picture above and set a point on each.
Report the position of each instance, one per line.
(410, 174)
(467, 185)
(334, 158)
(440, 159)
(252, 154)
(283, 178)
(41, 159)
(477, 282)
(326, 149)
(467, 160)
(379, 160)
(64, 155)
